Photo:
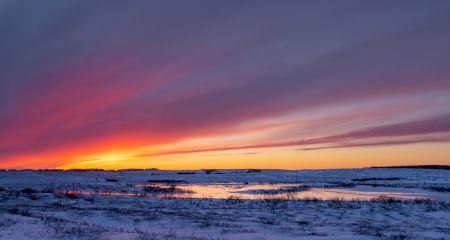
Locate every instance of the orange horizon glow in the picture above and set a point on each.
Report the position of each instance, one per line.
(289, 158)
(225, 85)
(252, 145)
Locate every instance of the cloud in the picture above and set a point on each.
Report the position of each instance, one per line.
(81, 74)
(232, 154)
(439, 124)
(381, 144)
(435, 125)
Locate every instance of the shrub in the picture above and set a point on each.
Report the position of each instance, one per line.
(423, 201)
(310, 199)
(375, 179)
(17, 211)
(71, 195)
(165, 181)
(161, 189)
(209, 171)
(13, 211)
(232, 200)
(28, 190)
(386, 200)
(303, 222)
(186, 173)
(440, 189)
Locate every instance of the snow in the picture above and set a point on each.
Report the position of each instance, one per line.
(49, 214)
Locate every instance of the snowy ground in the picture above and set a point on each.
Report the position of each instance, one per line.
(36, 205)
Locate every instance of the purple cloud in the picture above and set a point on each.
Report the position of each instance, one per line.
(440, 124)
(80, 73)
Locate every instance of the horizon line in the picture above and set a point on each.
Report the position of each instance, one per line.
(424, 166)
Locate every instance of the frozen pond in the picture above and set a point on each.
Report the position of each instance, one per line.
(258, 192)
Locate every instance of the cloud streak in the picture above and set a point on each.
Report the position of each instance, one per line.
(381, 144)
(84, 77)
(440, 124)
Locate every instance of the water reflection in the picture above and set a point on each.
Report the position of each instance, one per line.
(253, 191)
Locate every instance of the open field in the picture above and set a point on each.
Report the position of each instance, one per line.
(226, 204)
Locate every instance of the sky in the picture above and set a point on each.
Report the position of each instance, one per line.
(224, 84)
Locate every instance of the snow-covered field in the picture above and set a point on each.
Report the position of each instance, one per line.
(231, 204)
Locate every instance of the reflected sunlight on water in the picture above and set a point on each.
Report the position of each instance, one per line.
(255, 192)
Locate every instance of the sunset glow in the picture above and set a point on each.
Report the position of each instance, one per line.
(219, 84)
